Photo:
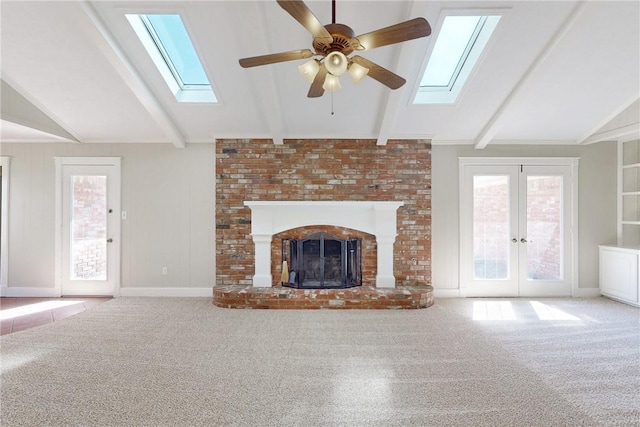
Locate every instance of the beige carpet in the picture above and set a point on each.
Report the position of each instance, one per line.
(462, 362)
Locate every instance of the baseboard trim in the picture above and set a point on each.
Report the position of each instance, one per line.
(166, 292)
(28, 292)
(34, 292)
(446, 293)
(586, 292)
(456, 293)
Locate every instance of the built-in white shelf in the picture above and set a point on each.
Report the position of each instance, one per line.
(620, 273)
(629, 192)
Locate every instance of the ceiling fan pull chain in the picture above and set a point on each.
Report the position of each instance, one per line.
(332, 103)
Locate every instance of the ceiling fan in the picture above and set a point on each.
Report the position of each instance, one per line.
(333, 43)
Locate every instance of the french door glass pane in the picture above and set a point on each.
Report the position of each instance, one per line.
(491, 227)
(88, 227)
(544, 228)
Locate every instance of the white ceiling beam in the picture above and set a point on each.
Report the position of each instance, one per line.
(595, 135)
(389, 116)
(406, 59)
(20, 108)
(109, 47)
(493, 125)
(264, 82)
(623, 133)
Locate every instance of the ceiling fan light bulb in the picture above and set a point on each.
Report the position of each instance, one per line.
(309, 69)
(336, 63)
(331, 83)
(357, 72)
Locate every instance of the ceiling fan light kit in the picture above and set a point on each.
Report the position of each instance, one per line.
(357, 72)
(309, 69)
(336, 63)
(334, 43)
(331, 83)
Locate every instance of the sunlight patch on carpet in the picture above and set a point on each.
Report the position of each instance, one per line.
(546, 312)
(24, 310)
(493, 310)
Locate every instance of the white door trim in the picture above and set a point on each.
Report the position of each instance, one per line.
(516, 161)
(115, 231)
(507, 286)
(5, 163)
(548, 287)
(572, 162)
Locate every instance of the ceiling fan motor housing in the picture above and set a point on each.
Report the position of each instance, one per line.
(343, 40)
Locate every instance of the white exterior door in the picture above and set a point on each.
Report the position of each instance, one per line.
(89, 227)
(516, 230)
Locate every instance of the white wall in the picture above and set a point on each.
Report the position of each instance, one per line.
(596, 204)
(169, 196)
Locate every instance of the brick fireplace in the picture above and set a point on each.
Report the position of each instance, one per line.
(393, 179)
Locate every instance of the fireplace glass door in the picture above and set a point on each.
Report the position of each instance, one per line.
(323, 261)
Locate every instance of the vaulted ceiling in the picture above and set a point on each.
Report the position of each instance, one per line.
(553, 72)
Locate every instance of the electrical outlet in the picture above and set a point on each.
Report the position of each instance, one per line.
(165, 271)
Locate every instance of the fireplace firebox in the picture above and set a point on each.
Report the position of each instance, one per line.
(323, 261)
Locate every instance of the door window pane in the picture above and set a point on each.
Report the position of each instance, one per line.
(88, 227)
(544, 228)
(491, 240)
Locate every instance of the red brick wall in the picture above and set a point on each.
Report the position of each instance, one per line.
(323, 170)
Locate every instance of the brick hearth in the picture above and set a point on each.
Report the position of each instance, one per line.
(363, 297)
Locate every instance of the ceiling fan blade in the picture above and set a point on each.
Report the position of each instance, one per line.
(303, 15)
(379, 73)
(276, 57)
(316, 90)
(408, 30)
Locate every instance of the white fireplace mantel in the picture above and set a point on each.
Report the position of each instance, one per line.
(272, 217)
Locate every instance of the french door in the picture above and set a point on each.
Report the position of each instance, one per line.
(89, 226)
(516, 230)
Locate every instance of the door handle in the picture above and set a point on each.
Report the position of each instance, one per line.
(109, 240)
(514, 240)
(523, 240)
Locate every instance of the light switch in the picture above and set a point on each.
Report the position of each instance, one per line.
(124, 214)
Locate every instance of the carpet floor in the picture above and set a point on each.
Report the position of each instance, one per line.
(461, 362)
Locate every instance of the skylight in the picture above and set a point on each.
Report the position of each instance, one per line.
(460, 42)
(165, 38)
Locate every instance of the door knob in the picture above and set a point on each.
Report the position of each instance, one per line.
(514, 240)
(523, 240)
(109, 240)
